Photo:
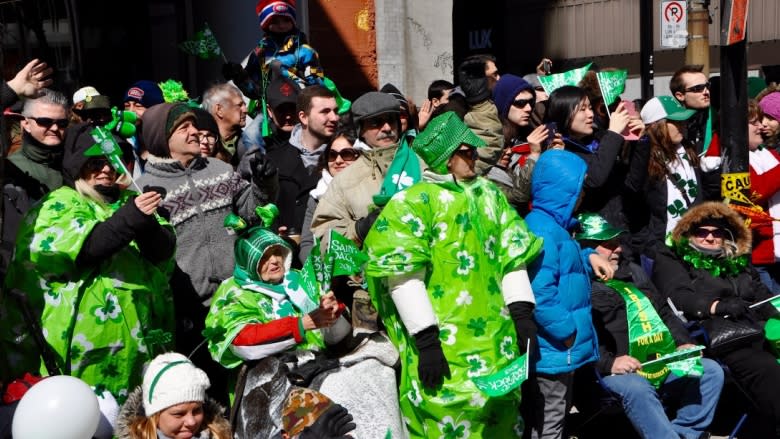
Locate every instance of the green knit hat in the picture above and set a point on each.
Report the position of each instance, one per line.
(255, 242)
(595, 228)
(443, 135)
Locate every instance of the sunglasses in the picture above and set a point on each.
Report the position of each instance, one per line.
(380, 121)
(703, 233)
(97, 165)
(47, 122)
(521, 103)
(467, 153)
(346, 154)
(698, 88)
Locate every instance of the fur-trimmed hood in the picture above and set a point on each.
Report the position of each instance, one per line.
(134, 406)
(713, 209)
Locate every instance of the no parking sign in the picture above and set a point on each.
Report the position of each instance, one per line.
(674, 24)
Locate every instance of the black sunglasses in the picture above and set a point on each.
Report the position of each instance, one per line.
(47, 122)
(521, 103)
(380, 121)
(467, 153)
(346, 154)
(97, 165)
(704, 233)
(698, 88)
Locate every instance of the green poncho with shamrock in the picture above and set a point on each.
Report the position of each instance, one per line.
(245, 299)
(466, 236)
(103, 322)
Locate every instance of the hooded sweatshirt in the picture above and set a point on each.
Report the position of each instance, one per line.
(560, 278)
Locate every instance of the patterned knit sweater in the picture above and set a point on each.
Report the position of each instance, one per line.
(198, 198)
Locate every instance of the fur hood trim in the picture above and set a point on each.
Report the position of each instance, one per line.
(714, 209)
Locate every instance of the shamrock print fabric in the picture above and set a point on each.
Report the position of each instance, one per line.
(466, 236)
(234, 307)
(104, 322)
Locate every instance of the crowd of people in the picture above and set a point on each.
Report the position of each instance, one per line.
(167, 262)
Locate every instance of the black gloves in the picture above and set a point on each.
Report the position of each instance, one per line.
(433, 366)
(472, 80)
(335, 423)
(732, 307)
(523, 315)
(233, 71)
(262, 170)
(363, 225)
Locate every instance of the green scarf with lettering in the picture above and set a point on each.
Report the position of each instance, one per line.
(647, 333)
(403, 172)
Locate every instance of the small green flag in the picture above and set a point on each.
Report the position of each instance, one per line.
(684, 362)
(313, 271)
(612, 84)
(345, 255)
(505, 380)
(551, 83)
(203, 45)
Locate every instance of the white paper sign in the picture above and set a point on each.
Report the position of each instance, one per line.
(674, 24)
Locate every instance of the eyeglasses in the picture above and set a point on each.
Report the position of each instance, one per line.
(207, 139)
(466, 153)
(97, 165)
(521, 103)
(380, 121)
(698, 88)
(47, 122)
(346, 154)
(703, 233)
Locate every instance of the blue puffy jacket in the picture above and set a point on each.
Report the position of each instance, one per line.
(560, 278)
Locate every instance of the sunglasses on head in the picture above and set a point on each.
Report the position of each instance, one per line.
(698, 88)
(97, 165)
(346, 154)
(466, 153)
(703, 233)
(47, 122)
(521, 103)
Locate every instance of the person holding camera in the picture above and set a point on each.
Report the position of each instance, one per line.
(523, 142)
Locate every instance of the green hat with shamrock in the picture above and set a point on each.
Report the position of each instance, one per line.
(443, 135)
(595, 228)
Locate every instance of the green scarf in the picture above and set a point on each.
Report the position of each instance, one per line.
(647, 333)
(403, 172)
(712, 264)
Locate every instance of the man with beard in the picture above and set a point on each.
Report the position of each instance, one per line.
(356, 195)
(297, 158)
(634, 325)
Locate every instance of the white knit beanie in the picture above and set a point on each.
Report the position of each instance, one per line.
(172, 379)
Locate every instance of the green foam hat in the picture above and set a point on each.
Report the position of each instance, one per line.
(595, 228)
(443, 135)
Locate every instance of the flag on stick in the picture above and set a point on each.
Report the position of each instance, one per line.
(612, 84)
(550, 83)
(204, 45)
(346, 256)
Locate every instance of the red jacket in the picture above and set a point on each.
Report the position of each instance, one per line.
(764, 186)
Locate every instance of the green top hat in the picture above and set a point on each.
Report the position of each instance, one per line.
(595, 228)
(443, 135)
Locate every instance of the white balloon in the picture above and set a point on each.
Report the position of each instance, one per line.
(61, 407)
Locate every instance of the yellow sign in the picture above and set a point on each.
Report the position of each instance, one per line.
(736, 186)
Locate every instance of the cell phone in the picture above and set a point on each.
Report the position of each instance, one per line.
(547, 66)
(552, 130)
(631, 109)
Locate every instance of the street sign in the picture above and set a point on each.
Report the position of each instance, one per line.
(674, 24)
(734, 24)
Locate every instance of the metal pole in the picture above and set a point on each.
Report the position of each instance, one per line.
(646, 48)
(698, 50)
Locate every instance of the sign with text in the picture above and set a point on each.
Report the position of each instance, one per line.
(734, 21)
(674, 24)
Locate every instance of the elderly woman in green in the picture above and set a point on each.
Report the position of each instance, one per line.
(447, 274)
(93, 261)
(272, 319)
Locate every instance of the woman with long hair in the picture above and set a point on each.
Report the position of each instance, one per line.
(675, 181)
